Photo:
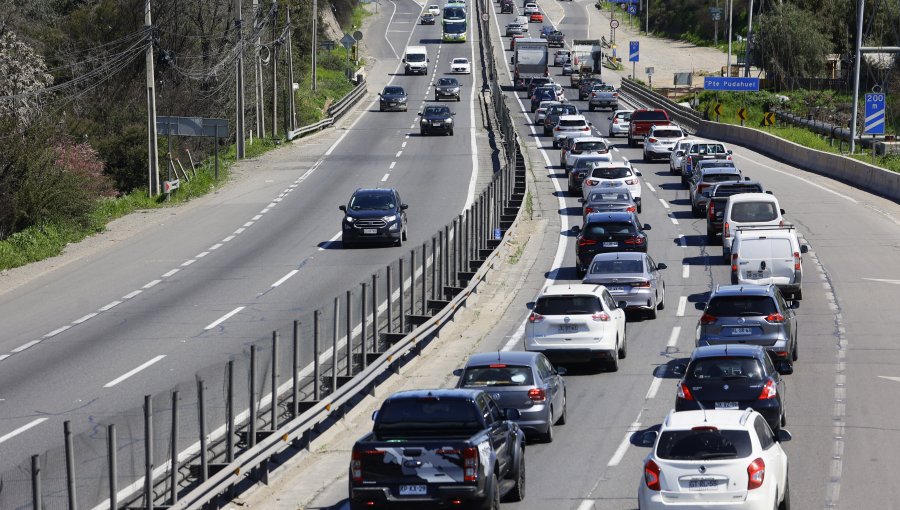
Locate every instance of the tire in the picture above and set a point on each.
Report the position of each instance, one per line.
(783, 418)
(786, 499)
(639, 208)
(436, 98)
(380, 108)
(631, 142)
(695, 210)
(798, 295)
(457, 99)
(613, 364)
(662, 304)
(547, 437)
(555, 144)
(651, 314)
(710, 237)
(517, 493)
(451, 132)
(795, 354)
(405, 235)
(623, 350)
(562, 417)
(590, 108)
(492, 502)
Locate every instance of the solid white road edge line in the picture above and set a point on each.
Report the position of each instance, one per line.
(25, 346)
(623, 446)
(224, 318)
(130, 373)
(285, 277)
(470, 196)
(21, 429)
(170, 273)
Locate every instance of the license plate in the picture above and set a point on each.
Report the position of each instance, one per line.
(741, 331)
(702, 484)
(726, 405)
(568, 328)
(610, 244)
(392, 104)
(753, 275)
(617, 288)
(413, 490)
(370, 231)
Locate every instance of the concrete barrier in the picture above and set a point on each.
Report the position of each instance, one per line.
(856, 173)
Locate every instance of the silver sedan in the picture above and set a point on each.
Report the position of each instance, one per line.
(633, 278)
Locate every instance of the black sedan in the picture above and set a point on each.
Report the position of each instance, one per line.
(734, 376)
(605, 232)
(446, 88)
(393, 99)
(427, 19)
(436, 119)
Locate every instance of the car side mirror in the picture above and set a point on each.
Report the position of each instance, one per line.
(512, 414)
(529, 305)
(782, 211)
(804, 248)
(576, 229)
(512, 60)
(661, 265)
(404, 207)
(404, 60)
(729, 152)
(648, 438)
(419, 114)
(784, 367)
(458, 372)
(590, 123)
(646, 226)
(343, 208)
(561, 371)
(638, 173)
(379, 94)
(621, 305)
(769, 192)
(609, 118)
(783, 436)
(374, 415)
(580, 200)
(679, 369)
(795, 304)
(454, 113)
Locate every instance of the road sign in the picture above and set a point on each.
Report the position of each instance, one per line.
(191, 126)
(769, 118)
(731, 84)
(874, 124)
(649, 71)
(170, 186)
(347, 41)
(485, 16)
(614, 23)
(716, 13)
(632, 9)
(633, 51)
(742, 113)
(357, 35)
(718, 109)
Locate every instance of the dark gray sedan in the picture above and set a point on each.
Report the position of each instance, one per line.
(632, 277)
(526, 381)
(609, 200)
(446, 88)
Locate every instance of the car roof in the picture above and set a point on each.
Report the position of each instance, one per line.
(745, 182)
(608, 216)
(572, 117)
(374, 191)
(737, 350)
(721, 418)
(565, 289)
(720, 170)
(621, 255)
(743, 290)
(753, 197)
(667, 126)
(486, 358)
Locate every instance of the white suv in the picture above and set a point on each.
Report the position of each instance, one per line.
(716, 459)
(570, 126)
(661, 141)
(577, 323)
(748, 209)
(611, 175)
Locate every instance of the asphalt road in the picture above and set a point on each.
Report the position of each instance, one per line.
(843, 397)
(90, 339)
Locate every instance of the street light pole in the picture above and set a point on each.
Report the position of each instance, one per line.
(749, 36)
(730, 11)
(860, 8)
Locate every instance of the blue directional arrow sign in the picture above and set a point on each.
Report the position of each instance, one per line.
(632, 9)
(634, 51)
(874, 124)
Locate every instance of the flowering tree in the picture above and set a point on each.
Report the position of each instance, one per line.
(22, 74)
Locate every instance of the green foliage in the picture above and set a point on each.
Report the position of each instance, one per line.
(793, 43)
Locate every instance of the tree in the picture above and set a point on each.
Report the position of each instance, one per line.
(22, 73)
(793, 43)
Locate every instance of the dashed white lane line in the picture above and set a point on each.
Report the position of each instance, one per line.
(673, 338)
(21, 429)
(285, 277)
(654, 387)
(685, 271)
(224, 318)
(407, 135)
(151, 284)
(240, 231)
(215, 247)
(132, 294)
(587, 504)
(170, 273)
(400, 152)
(649, 185)
(271, 204)
(85, 318)
(672, 217)
(257, 217)
(403, 145)
(393, 164)
(227, 239)
(130, 373)
(249, 223)
(328, 243)
(623, 446)
(682, 304)
(109, 306)
(4, 356)
(188, 262)
(57, 331)
(25, 346)
(664, 203)
(201, 255)
(264, 211)
(385, 177)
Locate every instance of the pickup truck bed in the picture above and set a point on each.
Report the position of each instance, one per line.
(641, 120)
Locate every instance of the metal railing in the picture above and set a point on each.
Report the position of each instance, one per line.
(684, 116)
(335, 112)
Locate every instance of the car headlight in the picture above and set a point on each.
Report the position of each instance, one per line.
(349, 219)
(402, 99)
(388, 219)
(455, 90)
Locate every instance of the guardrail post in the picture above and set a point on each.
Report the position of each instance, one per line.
(334, 344)
(173, 452)
(295, 371)
(412, 282)
(362, 325)
(201, 415)
(70, 465)
(445, 260)
(402, 316)
(374, 312)
(113, 472)
(389, 297)
(148, 452)
(349, 323)
(316, 375)
(434, 266)
(36, 496)
(457, 256)
(229, 415)
(439, 262)
(424, 279)
(251, 428)
(274, 404)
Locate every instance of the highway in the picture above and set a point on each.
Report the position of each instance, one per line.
(843, 397)
(89, 339)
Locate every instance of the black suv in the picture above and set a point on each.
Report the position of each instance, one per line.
(436, 119)
(607, 232)
(393, 99)
(374, 215)
(506, 6)
(446, 88)
(718, 199)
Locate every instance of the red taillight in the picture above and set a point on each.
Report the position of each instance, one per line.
(635, 240)
(586, 242)
(616, 120)
(702, 187)
(796, 261)
(558, 128)
(586, 128)
(640, 285)
(600, 316)
(711, 211)
(356, 466)
(756, 473)
(726, 231)
(535, 317)
(593, 94)
(652, 140)
(631, 209)
(651, 475)
(707, 319)
(497, 365)
(631, 182)
(588, 210)
(592, 182)
(775, 318)
(470, 464)
(615, 94)
(734, 257)
(768, 391)
(537, 395)
(684, 393)
(705, 428)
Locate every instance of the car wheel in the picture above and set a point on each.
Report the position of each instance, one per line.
(547, 437)
(405, 235)
(398, 241)
(783, 418)
(795, 353)
(457, 99)
(630, 141)
(798, 295)
(555, 144)
(380, 108)
(651, 314)
(623, 350)
(613, 364)
(786, 498)
(590, 108)
(562, 417)
(451, 132)
(517, 493)
(422, 132)
(710, 237)
(662, 304)
(436, 98)
(695, 211)
(639, 208)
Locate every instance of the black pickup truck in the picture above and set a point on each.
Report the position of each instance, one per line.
(556, 38)
(436, 449)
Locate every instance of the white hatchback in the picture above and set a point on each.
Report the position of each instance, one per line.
(570, 126)
(611, 175)
(716, 459)
(531, 9)
(619, 122)
(577, 323)
(434, 9)
(585, 146)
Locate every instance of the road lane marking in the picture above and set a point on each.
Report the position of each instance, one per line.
(201, 255)
(889, 378)
(685, 271)
(240, 231)
(85, 318)
(403, 145)
(664, 203)
(132, 294)
(623, 446)
(4, 356)
(654, 388)
(328, 243)
(271, 205)
(672, 217)
(285, 277)
(587, 504)
(807, 181)
(650, 186)
(215, 247)
(882, 280)
(130, 373)
(170, 273)
(257, 217)
(682, 241)
(110, 306)
(227, 239)
(673, 338)
(400, 152)
(57, 331)
(386, 176)
(151, 284)
(25, 346)
(21, 429)
(188, 262)
(224, 318)
(682, 303)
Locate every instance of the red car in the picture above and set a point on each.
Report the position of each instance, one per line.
(537, 17)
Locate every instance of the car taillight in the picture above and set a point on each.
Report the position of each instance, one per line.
(635, 240)
(592, 182)
(535, 317)
(558, 128)
(616, 120)
(726, 231)
(768, 391)
(756, 473)
(588, 210)
(593, 94)
(702, 187)
(586, 128)
(631, 182)
(615, 94)
(640, 285)
(707, 319)
(684, 393)
(631, 209)
(775, 318)
(734, 258)
(652, 140)
(796, 261)
(711, 211)
(600, 316)
(586, 242)
(651, 475)
(470, 464)
(356, 466)
(537, 395)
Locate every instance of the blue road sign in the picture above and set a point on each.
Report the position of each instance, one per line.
(874, 124)
(632, 9)
(633, 51)
(731, 84)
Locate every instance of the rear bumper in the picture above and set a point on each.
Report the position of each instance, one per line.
(770, 409)
(573, 355)
(778, 346)
(439, 496)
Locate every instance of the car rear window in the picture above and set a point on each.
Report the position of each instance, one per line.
(583, 163)
(649, 115)
(704, 444)
(590, 146)
(725, 369)
(427, 414)
(708, 148)
(611, 172)
(736, 189)
(668, 133)
(571, 123)
(617, 266)
(624, 115)
(617, 227)
(498, 374)
(567, 305)
(754, 211)
(718, 177)
(606, 196)
(741, 306)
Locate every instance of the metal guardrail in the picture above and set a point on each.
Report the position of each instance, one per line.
(335, 111)
(686, 117)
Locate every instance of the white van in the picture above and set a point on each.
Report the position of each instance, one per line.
(768, 255)
(415, 60)
(748, 209)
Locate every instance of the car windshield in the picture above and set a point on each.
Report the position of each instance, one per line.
(583, 163)
(372, 201)
(613, 227)
(725, 368)
(668, 133)
(754, 211)
(415, 57)
(741, 306)
(619, 196)
(454, 13)
(619, 172)
(498, 374)
(617, 266)
(448, 82)
(436, 110)
(567, 305)
(703, 444)
(394, 91)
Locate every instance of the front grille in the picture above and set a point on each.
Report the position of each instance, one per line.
(370, 223)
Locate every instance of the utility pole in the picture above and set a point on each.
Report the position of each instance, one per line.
(647, 28)
(152, 151)
(315, 43)
(258, 86)
(290, 58)
(239, 79)
(860, 8)
(730, 23)
(274, 70)
(716, 23)
(749, 37)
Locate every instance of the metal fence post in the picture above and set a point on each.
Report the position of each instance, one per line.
(434, 266)
(295, 371)
(316, 375)
(389, 297)
(362, 325)
(349, 323)
(113, 473)
(374, 312)
(229, 415)
(424, 279)
(173, 452)
(445, 259)
(36, 496)
(412, 282)
(402, 289)
(201, 416)
(148, 452)
(336, 321)
(273, 409)
(70, 464)
(251, 429)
